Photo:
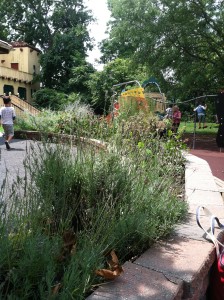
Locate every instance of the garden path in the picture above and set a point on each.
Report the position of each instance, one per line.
(11, 162)
(205, 147)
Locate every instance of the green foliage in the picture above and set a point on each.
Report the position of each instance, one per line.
(101, 82)
(179, 41)
(151, 138)
(78, 83)
(46, 121)
(117, 200)
(58, 28)
(49, 98)
(76, 118)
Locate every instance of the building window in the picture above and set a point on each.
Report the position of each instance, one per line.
(22, 92)
(15, 66)
(8, 89)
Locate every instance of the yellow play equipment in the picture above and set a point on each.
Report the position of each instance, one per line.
(136, 92)
(136, 99)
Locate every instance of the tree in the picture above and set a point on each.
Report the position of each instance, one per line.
(58, 28)
(78, 83)
(181, 41)
(49, 98)
(101, 82)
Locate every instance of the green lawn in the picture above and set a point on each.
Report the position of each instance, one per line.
(188, 127)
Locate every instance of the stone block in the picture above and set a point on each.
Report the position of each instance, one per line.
(139, 283)
(182, 258)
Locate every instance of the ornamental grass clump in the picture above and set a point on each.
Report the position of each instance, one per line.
(75, 119)
(76, 207)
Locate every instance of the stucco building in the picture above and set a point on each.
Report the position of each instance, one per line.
(19, 65)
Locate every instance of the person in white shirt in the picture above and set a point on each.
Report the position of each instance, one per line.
(7, 117)
(169, 112)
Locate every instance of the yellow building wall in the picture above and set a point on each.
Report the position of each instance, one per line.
(30, 88)
(26, 58)
(28, 63)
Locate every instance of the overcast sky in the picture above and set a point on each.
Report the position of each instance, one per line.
(97, 30)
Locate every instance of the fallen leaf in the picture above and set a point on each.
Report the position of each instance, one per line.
(108, 274)
(113, 263)
(114, 257)
(69, 239)
(69, 246)
(115, 269)
(55, 289)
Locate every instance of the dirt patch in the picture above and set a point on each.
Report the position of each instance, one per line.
(202, 142)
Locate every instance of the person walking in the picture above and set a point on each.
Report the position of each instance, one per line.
(7, 117)
(200, 110)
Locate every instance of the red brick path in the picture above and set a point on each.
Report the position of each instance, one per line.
(205, 147)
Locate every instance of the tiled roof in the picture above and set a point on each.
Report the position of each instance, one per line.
(20, 44)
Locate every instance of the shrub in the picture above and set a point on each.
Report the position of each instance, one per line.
(75, 205)
(49, 98)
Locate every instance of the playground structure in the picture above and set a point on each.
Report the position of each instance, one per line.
(136, 98)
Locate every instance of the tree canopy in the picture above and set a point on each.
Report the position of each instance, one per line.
(181, 41)
(58, 28)
(115, 72)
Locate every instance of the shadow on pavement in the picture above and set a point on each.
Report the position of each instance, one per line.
(15, 149)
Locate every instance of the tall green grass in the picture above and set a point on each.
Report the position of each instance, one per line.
(75, 204)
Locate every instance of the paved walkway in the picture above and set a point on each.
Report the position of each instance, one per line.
(11, 162)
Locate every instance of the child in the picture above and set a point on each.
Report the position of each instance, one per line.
(7, 116)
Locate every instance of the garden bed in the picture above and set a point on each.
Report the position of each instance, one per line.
(76, 207)
(86, 212)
